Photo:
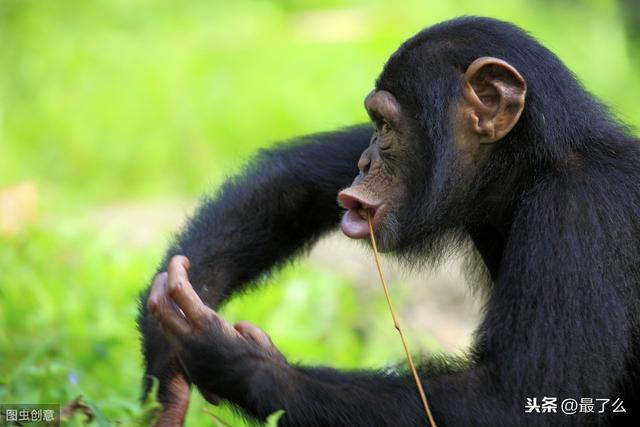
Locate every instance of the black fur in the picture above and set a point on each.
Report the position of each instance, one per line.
(555, 216)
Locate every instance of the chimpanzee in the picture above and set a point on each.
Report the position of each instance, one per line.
(480, 135)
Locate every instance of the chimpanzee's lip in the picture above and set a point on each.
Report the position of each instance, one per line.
(355, 224)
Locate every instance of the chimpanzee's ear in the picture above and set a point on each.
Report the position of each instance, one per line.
(494, 92)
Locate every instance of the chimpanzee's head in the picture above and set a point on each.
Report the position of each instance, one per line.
(440, 110)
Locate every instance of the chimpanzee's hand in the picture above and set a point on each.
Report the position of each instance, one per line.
(221, 359)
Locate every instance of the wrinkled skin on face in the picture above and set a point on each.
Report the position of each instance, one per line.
(379, 188)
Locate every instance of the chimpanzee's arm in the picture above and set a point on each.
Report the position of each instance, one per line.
(282, 203)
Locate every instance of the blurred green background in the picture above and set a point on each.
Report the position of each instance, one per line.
(116, 115)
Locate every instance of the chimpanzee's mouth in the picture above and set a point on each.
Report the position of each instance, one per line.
(355, 223)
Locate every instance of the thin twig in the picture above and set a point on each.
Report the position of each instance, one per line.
(396, 323)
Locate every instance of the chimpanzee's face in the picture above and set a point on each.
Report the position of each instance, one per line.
(379, 188)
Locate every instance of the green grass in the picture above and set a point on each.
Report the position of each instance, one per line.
(110, 104)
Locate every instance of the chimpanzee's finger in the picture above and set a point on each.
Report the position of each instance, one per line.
(251, 332)
(156, 293)
(163, 309)
(181, 290)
